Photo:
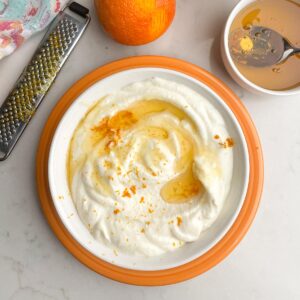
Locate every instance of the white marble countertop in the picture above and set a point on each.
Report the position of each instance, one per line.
(265, 265)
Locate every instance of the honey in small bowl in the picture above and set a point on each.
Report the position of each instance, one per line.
(282, 16)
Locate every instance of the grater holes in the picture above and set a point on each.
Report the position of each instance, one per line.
(37, 77)
(65, 46)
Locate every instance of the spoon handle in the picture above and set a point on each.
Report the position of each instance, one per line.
(289, 46)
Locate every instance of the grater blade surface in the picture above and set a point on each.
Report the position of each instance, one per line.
(36, 79)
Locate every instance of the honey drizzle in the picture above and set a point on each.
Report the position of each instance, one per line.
(111, 129)
(182, 188)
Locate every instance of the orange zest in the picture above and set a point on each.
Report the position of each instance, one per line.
(179, 221)
(126, 193)
(229, 143)
(111, 128)
(133, 189)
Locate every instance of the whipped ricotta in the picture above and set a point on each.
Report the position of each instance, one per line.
(150, 167)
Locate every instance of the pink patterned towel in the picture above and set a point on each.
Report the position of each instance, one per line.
(19, 19)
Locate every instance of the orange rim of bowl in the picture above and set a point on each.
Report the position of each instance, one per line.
(217, 252)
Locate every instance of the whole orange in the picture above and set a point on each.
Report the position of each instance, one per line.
(135, 22)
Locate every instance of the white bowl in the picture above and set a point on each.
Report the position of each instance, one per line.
(64, 204)
(230, 65)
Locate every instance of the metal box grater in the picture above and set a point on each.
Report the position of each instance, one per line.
(36, 79)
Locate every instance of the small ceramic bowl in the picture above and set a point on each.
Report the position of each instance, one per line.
(230, 65)
(193, 258)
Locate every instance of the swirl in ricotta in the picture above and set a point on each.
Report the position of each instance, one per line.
(150, 167)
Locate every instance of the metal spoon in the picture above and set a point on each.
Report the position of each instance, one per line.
(264, 47)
